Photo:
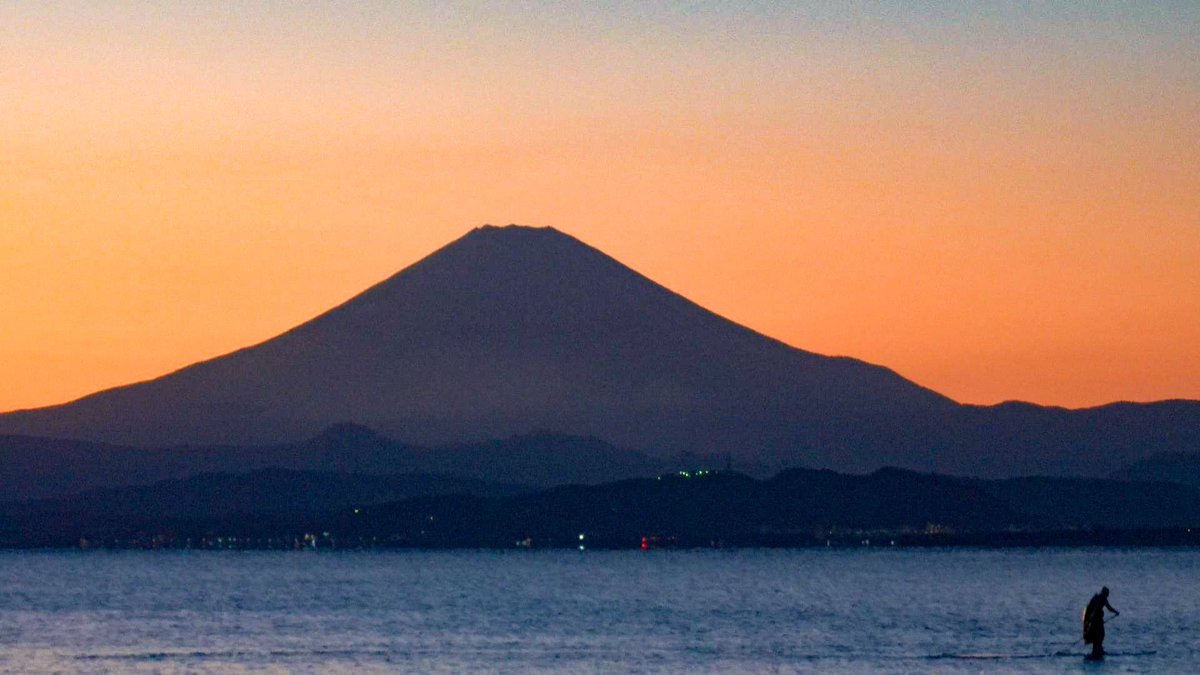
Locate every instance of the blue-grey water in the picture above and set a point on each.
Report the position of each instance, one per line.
(695, 611)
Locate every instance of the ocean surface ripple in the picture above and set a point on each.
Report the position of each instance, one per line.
(860, 610)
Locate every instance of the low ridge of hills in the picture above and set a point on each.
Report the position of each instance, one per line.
(734, 508)
(35, 468)
(510, 330)
(264, 492)
(277, 508)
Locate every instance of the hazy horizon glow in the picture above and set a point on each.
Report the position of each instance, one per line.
(998, 201)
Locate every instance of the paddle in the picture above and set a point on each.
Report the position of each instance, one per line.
(1063, 651)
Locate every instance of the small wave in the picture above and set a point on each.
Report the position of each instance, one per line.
(154, 656)
(990, 657)
(234, 654)
(1007, 657)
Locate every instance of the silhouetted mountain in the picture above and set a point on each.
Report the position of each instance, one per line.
(1013, 439)
(796, 507)
(33, 468)
(510, 330)
(1174, 467)
(41, 468)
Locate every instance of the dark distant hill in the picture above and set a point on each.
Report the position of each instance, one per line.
(1077, 502)
(1174, 467)
(796, 507)
(736, 509)
(266, 492)
(510, 330)
(1013, 439)
(42, 468)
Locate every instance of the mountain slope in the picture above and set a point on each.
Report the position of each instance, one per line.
(504, 331)
(511, 330)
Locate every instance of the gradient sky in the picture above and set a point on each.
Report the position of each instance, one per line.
(998, 200)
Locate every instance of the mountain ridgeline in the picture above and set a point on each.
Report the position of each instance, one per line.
(37, 468)
(512, 330)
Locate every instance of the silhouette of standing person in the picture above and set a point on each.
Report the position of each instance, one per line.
(1093, 622)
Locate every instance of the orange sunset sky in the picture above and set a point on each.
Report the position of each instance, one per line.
(997, 200)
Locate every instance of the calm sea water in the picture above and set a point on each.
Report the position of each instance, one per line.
(715, 611)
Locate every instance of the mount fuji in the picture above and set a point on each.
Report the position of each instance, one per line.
(515, 330)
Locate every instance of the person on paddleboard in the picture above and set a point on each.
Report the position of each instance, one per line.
(1093, 622)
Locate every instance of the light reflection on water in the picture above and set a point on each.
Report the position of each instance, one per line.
(748, 610)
